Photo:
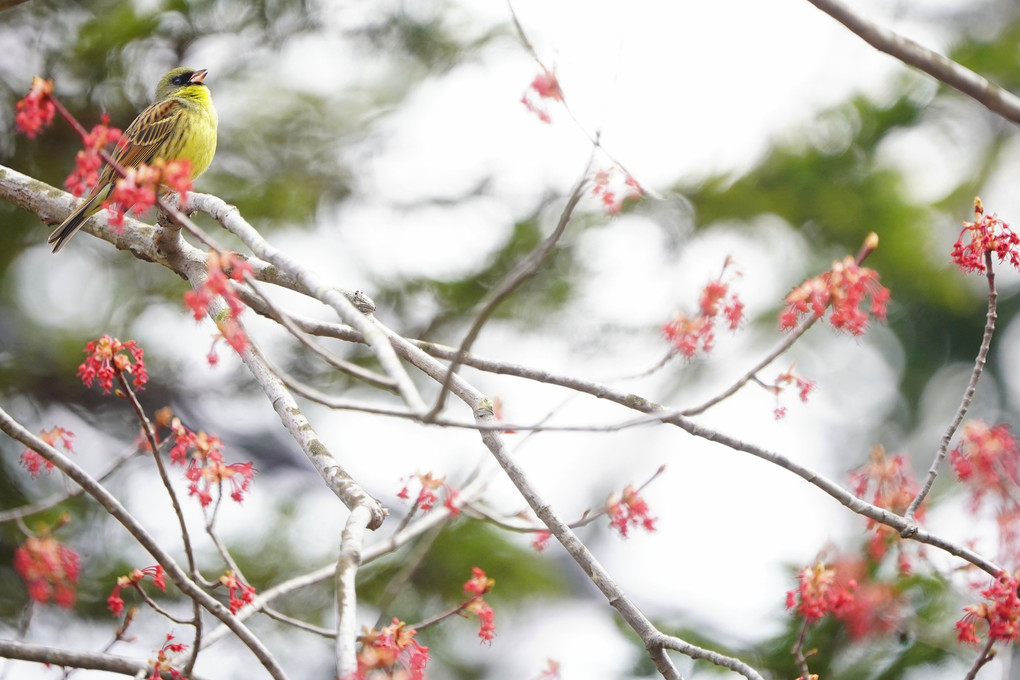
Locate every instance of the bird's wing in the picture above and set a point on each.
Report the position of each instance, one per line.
(149, 132)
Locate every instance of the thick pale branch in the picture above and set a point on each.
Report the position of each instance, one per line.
(351, 544)
(53, 205)
(190, 263)
(943, 69)
(482, 409)
(94, 661)
(337, 479)
(229, 217)
(268, 308)
(653, 639)
(380, 548)
(657, 412)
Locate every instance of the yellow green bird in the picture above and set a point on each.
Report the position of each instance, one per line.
(180, 124)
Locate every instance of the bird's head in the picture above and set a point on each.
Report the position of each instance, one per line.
(179, 81)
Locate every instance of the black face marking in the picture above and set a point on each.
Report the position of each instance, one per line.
(181, 79)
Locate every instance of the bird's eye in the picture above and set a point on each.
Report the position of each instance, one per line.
(181, 79)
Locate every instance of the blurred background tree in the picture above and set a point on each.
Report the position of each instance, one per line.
(319, 149)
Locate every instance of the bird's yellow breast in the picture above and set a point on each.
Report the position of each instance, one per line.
(197, 138)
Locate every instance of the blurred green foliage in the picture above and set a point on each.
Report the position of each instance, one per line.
(837, 190)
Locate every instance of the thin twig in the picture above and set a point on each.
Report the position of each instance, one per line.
(278, 315)
(154, 447)
(521, 273)
(58, 498)
(869, 245)
(299, 624)
(594, 139)
(150, 436)
(752, 374)
(798, 651)
(410, 565)
(968, 394)
(587, 517)
(984, 657)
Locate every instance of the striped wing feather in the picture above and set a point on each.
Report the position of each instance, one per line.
(149, 133)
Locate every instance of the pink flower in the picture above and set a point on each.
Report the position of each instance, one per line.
(986, 234)
(50, 570)
(629, 510)
(36, 110)
(108, 357)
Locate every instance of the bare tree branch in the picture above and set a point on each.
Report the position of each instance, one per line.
(380, 548)
(521, 273)
(351, 544)
(968, 395)
(114, 507)
(230, 218)
(96, 661)
(58, 498)
(943, 69)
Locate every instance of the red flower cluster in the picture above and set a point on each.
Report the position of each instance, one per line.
(689, 333)
(222, 268)
(987, 460)
(88, 161)
(427, 496)
(607, 187)
(108, 357)
(1001, 612)
(240, 592)
(36, 110)
(875, 608)
(627, 510)
(845, 288)
(163, 663)
(50, 570)
(986, 234)
(115, 603)
(137, 188)
(844, 589)
(893, 488)
(36, 464)
(546, 86)
(551, 671)
(384, 649)
(477, 586)
(819, 592)
(786, 379)
(541, 540)
(206, 468)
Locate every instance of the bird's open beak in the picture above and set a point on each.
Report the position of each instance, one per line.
(198, 77)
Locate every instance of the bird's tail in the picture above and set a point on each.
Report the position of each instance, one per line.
(62, 234)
